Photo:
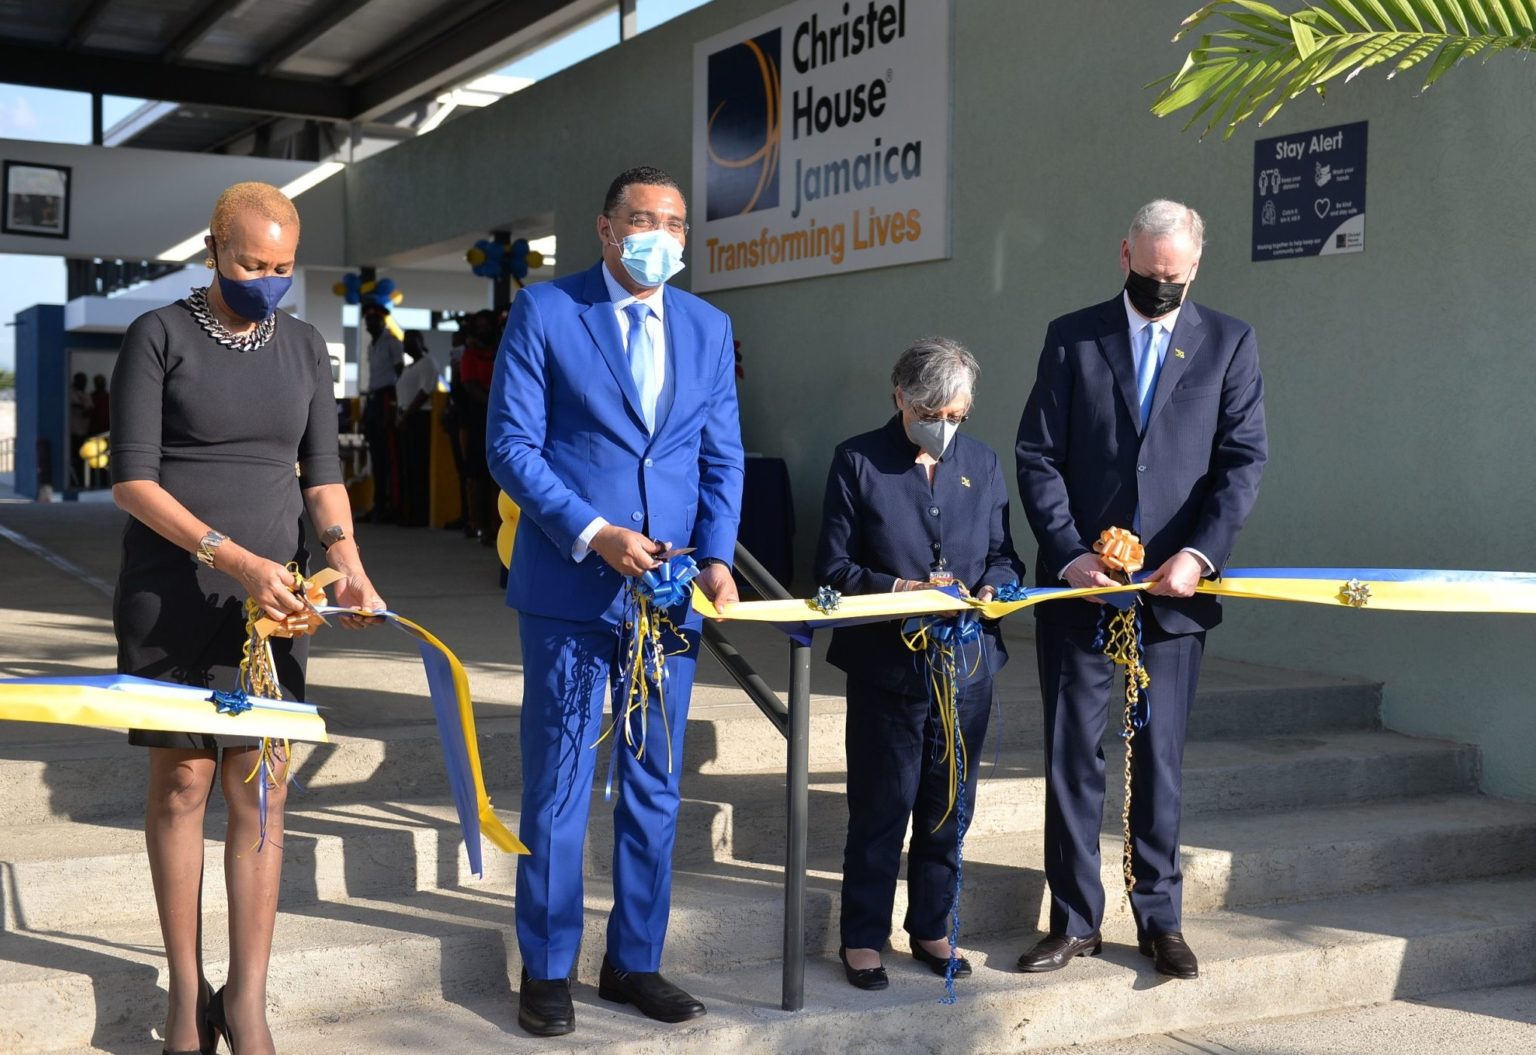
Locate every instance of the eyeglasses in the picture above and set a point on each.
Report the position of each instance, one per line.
(934, 419)
(644, 221)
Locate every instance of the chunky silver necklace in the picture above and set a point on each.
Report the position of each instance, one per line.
(197, 302)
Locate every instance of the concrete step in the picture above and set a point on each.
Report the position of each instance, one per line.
(396, 992)
(54, 875)
(98, 777)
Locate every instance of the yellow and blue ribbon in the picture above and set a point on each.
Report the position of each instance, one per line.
(648, 638)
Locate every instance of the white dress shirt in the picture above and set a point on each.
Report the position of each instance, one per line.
(655, 326)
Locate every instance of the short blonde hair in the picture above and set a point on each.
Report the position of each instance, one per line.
(261, 198)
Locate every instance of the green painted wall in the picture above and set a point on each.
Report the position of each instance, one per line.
(1399, 391)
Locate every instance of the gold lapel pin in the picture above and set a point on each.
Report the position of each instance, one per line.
(965, 481)
(1178, 353)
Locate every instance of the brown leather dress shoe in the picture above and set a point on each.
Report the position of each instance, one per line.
(1171, 955)
(1055, 951)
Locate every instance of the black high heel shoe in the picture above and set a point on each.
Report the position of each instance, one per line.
(218, 1023)
(200, 1051)
(862, 977)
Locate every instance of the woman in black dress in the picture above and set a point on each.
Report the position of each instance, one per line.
(223, 434)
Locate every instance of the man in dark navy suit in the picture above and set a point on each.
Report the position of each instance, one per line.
(1147, 413)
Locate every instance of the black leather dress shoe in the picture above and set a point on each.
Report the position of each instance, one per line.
(939, 964)
(544, 1006)
(653, 995)
(1055, 951)
(1171, 955)
(863, 977)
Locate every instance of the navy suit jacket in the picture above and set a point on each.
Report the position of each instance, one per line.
(1084, 463)
(881, 522)
(564, 439)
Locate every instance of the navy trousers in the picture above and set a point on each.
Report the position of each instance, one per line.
(568, 668)
(1081, 689)
(895, 773)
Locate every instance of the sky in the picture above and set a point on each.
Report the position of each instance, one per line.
(65, 117)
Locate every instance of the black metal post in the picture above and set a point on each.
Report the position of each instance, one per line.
(798, 791)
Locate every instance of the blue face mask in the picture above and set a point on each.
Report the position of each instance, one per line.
(255, 298)
(652, 257)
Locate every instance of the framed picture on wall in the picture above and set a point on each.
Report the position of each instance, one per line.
(36, 200)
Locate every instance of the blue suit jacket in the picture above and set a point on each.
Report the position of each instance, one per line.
(1085, 465)
(565, 439)
(882, 522)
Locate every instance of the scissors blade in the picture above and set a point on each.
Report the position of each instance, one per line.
(676, 551)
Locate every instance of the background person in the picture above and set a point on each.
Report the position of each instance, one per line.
(413, 396)
(913, 500)
(386, 362)
(223, 435)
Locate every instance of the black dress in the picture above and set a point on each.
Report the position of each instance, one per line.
(233, 435)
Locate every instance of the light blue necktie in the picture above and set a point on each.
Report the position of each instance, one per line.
(642, 365)
(1147, 369)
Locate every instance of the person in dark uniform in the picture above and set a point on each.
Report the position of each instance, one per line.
(223, 434)
(912, 504)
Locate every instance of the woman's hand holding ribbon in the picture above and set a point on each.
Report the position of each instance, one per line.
(355, 591)
(270, 585)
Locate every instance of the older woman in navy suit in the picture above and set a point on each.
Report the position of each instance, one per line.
(912, 503)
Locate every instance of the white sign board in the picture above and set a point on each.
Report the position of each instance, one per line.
(821, 142)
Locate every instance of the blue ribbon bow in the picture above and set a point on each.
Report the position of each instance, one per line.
(670, 584)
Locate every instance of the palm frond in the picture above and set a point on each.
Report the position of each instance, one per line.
(1252, 58)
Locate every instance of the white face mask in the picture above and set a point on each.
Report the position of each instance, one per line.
(932, 436)
(650, 257)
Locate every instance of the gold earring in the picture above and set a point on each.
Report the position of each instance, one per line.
(208, 263)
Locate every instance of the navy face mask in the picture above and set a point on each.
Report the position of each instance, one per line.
(254, 298)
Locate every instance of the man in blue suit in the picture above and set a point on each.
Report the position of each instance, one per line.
(613, 425)
(1147, 413)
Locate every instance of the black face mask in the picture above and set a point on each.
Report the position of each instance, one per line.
(1152, 298)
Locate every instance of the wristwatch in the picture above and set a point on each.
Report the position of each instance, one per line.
(331, 535)
(208, 544)
(707, 561)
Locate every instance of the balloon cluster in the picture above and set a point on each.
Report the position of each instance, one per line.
(380, 291)
(490, 259)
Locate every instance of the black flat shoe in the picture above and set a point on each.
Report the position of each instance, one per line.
(863, 977)
(1054, 952)
(939, 964)
(652, 995)
(1171, 955)
(544, 1006)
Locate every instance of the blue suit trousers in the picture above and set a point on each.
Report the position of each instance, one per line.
(1079, 683)
(895, 774)
(568, 668)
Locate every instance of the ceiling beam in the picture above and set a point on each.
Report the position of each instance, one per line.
(84, 22)
(230, 89)
(331, 16)
(196, 27)
(419, 62)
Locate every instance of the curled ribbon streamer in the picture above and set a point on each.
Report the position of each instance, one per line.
(644, 657)
(941, 642)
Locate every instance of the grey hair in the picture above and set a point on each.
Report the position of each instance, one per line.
(1163, 217)
(935, 371)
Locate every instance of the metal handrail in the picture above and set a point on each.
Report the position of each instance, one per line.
(793, 720)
